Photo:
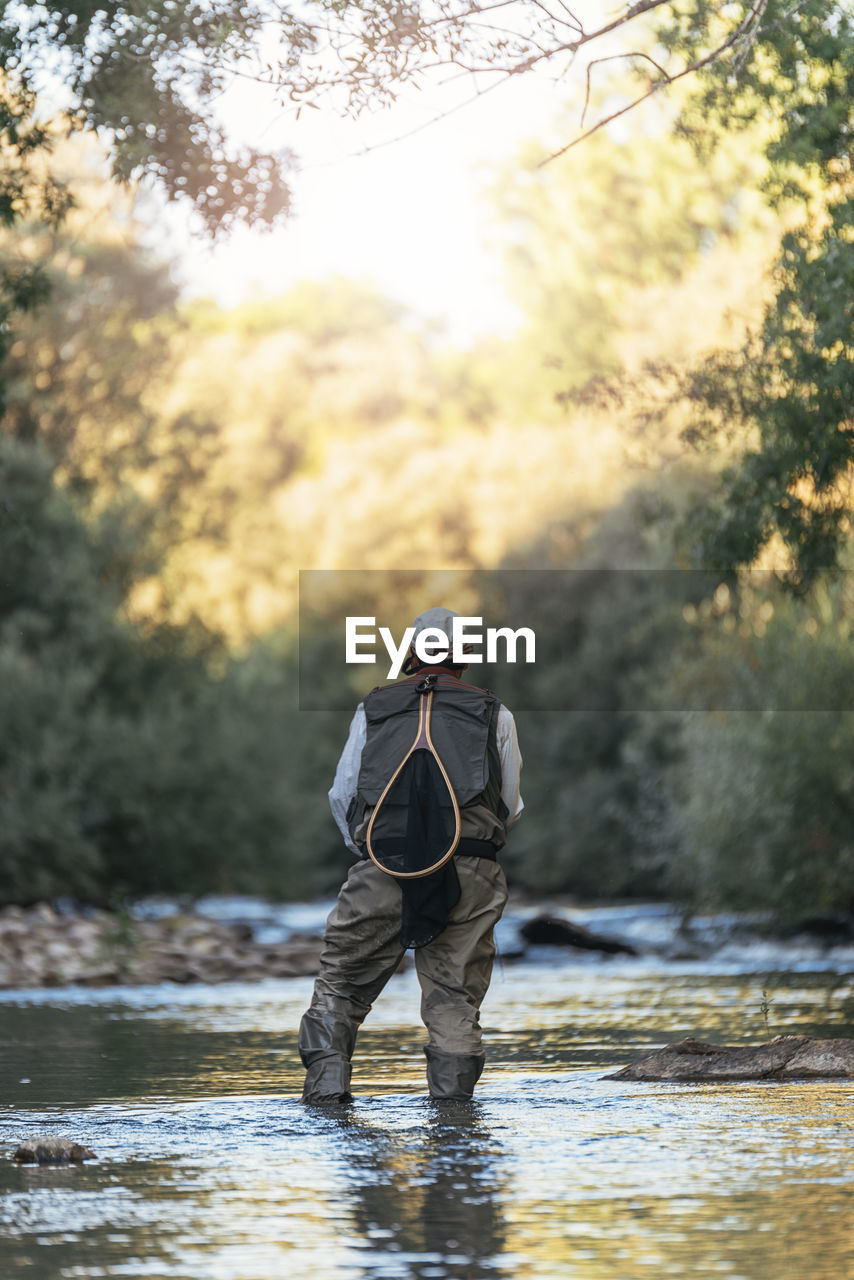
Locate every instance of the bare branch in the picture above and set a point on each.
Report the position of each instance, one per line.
(555, 18)
(419, 128)
(614, 57)
(747, 30)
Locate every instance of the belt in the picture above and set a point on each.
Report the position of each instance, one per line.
(477, 849)
(467, 848)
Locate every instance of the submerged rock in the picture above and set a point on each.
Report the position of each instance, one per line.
(555, 931)
(785, 1058)
(48, 1149)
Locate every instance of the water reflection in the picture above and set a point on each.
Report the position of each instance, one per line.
(775, 1233)
(210, 1169)
(427, 1200)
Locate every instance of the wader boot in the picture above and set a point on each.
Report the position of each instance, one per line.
(452, 1075)
(326, 1044)
(363, 949)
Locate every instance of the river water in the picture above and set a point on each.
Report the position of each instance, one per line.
(210, 1167)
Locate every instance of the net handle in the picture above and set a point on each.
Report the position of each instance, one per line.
(423, 742)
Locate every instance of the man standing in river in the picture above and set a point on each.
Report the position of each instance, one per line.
(447, 916)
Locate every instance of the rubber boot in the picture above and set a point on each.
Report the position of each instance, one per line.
(326, 1043)
(452, 1075)
(327, 1080)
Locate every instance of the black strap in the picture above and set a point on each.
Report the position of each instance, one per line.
(477, 848)
(468, 847)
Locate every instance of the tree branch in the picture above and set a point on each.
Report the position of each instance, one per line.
(747, 29)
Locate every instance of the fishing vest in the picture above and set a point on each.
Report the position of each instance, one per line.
(464, 723)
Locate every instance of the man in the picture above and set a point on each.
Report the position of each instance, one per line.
(449, 916)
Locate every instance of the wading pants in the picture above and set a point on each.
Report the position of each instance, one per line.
(362, 950)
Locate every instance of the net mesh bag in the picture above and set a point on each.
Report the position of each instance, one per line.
(414, 831)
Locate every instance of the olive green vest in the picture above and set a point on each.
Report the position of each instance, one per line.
(463, 730)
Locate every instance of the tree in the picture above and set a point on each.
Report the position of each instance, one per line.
(77, 370)
(148, 78)
(26, 189)
(757, 794)
(126, 765)
(787, 394)
(600, 235)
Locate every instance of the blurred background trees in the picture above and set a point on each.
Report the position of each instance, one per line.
(678, 397)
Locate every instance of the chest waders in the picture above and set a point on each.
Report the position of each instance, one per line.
(429, 788)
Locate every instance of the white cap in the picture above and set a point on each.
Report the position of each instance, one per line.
(435, 619)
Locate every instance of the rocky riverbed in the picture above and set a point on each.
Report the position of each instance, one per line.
(41, 947)
(232, 939)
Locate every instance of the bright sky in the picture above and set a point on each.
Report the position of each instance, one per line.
(409, 215)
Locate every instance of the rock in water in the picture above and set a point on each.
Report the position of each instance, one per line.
(555, 931)
(47, 1149)
(786, 1058)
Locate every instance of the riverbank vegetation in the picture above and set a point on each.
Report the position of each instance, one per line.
(678, 398)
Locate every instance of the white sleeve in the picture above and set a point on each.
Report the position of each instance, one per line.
(347, 775)
(511, 763)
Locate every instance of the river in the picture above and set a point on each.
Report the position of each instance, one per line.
(210, 1168)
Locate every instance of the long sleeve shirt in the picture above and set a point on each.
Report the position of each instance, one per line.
(347, 773)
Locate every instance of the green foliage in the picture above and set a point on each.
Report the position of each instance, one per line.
(147, 76)
(136, 758)
(56, 631)
(790, 390)
(763, 814)
(138, 754)
(79, 366)
(125, 766)
(596, 822)
(760, 793)
(715, 770)
(703, 750)
(88, 372)
(787, 394)
(322, 312)
(592, 234)
(25, 190)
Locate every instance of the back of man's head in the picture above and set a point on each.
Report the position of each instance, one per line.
(437, 619)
